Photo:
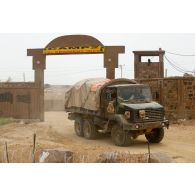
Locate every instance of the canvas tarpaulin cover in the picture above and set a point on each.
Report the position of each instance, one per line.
(85, 94)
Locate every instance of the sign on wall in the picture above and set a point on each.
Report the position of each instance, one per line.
(69, 50)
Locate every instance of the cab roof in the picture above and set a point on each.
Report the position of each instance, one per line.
(125, 85)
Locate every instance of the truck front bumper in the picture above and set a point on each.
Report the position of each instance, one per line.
(145, 125)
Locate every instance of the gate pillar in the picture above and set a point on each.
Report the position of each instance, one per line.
(39, 67)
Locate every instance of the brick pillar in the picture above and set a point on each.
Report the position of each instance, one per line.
(136, 65)
(161, 65)
(110, 73)
(111, 59)
(39, 67)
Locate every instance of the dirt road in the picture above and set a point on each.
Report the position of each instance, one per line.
(57, 131)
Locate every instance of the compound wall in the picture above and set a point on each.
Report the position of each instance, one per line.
(19, 100)
(176, 94)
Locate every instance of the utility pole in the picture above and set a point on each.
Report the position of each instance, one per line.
(166, 72)
(121, 67)
(24, 78)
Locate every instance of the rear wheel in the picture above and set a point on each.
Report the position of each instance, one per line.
(78, 126)
(89, 129)
(120, 137)
(155, 136)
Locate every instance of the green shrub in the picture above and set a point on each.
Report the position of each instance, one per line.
(4, 121)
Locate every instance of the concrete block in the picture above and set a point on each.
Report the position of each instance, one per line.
(56, 156)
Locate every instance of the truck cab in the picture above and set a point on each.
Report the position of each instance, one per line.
(130, 109)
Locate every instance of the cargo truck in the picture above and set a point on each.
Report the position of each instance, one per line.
(120, 107)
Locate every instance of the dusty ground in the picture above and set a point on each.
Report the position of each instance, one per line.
(57, 132)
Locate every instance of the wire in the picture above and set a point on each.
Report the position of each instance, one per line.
(176, 64)
(179, 65)
(180, 54)
(176, 67)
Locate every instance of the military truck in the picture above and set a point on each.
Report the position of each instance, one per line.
(120, 107)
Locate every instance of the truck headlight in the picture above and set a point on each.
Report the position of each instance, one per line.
(127, 115)
(136, 126)
(142, 114)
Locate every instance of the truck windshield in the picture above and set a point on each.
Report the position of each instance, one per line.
(134, 94)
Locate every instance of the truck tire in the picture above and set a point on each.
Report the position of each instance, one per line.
(89, 129)
(78, 126)
(155, 136)
(120, 137)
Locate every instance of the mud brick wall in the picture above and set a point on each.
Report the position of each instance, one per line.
(176, 94)
(19, 100)
(148, 70)
(170, 98)
(189, 97)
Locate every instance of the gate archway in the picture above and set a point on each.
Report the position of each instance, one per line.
(69, 45)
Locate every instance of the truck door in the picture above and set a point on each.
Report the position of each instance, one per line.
(110, 101)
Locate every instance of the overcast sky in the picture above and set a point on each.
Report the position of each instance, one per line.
(70, 69)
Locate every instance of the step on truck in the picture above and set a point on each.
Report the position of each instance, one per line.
(120, 107)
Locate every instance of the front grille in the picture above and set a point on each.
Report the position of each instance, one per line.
(151, 115)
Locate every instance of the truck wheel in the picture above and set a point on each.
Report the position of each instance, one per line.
(155, 136)
(78, 126)
(89, 129)
(120, 137)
